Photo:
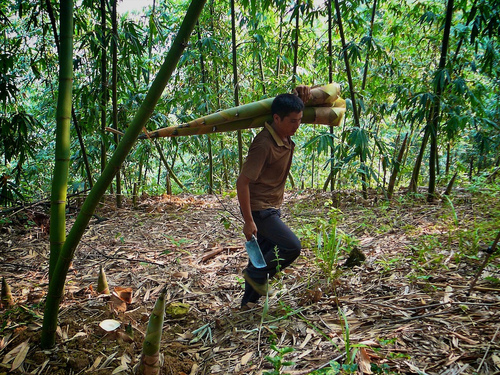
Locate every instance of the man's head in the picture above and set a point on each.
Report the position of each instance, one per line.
(287, 113)
(284, 104)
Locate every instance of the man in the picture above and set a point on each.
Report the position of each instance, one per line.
(260, 188)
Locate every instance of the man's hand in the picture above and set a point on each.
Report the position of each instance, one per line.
(243, 190)
(304, 92)
(249, 229)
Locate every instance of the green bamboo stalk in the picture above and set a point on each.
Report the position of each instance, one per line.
(150, 358)
(312, 115)
(62, 151)
(56, 284)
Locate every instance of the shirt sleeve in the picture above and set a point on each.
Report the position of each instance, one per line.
(255, 160)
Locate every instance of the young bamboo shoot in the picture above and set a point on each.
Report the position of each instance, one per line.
(150, 358)
(6, 295)
(102, 282)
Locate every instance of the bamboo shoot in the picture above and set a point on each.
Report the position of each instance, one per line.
(150, 358)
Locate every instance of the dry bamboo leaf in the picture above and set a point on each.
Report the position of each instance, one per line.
(194, 369)
(370, 342)
(125, 294)
(21, 356)
(496, 360)
(447, 294)
(78, 334)
(5, 341)
(246, 358)
(14, 352)
(363, 360)
(108, 360)
(180, 275)
(96, 364)
(306, 340)
(465, 338)
(117, 304)
(146, 295)
(42, 367)
(119, 369)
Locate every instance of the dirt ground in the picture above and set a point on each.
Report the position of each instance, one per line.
(405, 309)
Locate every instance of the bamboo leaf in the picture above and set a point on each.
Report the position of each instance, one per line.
(21, 356)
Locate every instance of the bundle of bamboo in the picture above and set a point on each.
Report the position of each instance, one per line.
(324, 107)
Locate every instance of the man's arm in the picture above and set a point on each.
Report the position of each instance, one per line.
(303, 92)
(243, 189)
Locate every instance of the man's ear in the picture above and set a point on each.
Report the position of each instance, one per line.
(276, 118)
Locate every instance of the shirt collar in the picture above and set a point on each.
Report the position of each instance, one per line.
(275, 136)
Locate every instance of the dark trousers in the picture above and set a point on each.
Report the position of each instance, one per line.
(271, 233)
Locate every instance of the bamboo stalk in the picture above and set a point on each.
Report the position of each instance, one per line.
(312, 115)
(56, 285)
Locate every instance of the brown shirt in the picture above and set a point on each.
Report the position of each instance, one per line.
(267, 165)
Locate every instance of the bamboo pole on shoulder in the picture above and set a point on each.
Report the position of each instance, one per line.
(324, 96)
(312, 115)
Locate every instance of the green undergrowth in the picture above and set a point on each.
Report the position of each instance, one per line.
(447, 233)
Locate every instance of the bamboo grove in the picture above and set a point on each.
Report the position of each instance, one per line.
(426, 72)
(419, 79)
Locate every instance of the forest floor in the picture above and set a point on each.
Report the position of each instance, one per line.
(405, 309)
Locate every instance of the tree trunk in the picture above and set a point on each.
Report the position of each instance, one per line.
(448, 157)
(395, 171)
(278, 59)
(205, 111)
(114, 94)
(355, 112)
(137, 184)
(82, 147)
(471, 167)
(104, 83)
(312, 170)
(470, 17)
(330, 80)
(368, 50)
(50, 12)
(169, 169)
(62, 151)
(449, 188)
(434, 125)
(296, 45)
(412, 188)
(210, 166)
(235, 81)
(143, 114)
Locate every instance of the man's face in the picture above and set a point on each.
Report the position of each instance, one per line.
(288, 125)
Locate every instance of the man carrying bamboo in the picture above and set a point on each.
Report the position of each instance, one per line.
(261, 186)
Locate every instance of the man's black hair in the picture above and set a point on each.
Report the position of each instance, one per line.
(284, 104)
